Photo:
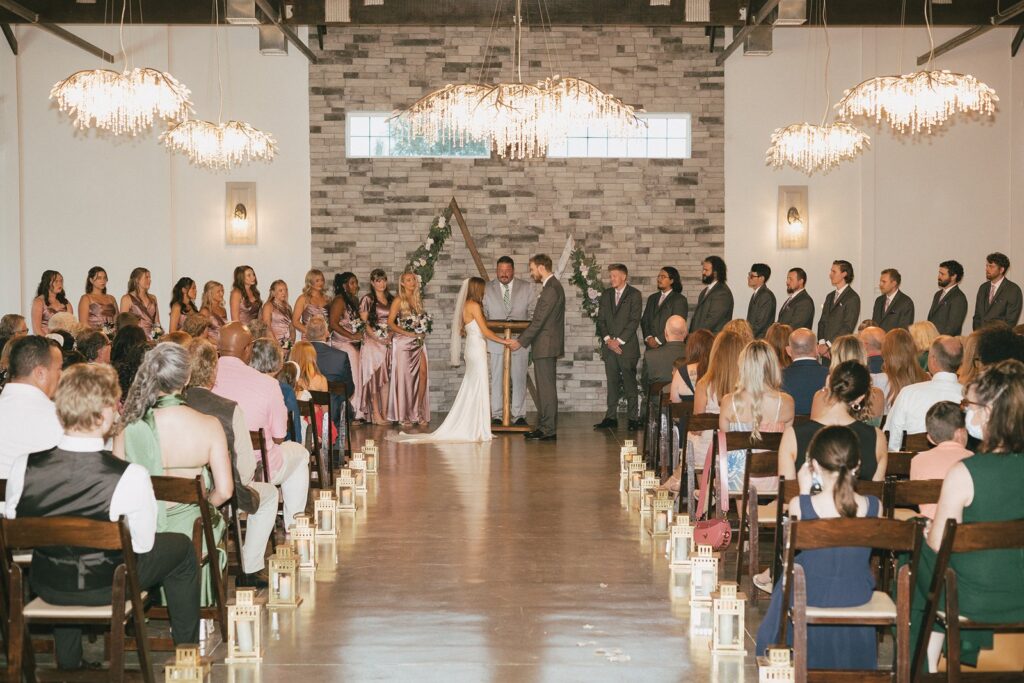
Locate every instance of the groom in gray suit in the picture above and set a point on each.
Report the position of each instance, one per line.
(546, 334)
(506, 298)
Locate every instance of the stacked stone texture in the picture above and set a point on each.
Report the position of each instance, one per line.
(646, 213)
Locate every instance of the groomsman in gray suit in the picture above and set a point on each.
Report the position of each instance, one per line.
(761, 309)
(506, 298)
(892, 308)
(618, 317)
(949, 305)
(798, 310)
(714, 304)
(546, 334)
(662, 305)
(998, 298)
(841, 311)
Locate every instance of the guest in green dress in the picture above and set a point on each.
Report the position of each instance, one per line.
(170, 439)
(983, 488)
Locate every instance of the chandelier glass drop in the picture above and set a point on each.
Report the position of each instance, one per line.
(219, 146)
(919, 101)
(517, 119)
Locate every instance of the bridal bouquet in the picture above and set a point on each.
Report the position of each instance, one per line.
(417, 323)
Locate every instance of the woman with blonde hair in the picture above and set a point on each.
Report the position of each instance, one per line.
(138, 301)
(970, 366)
(408, 401)
(277, 313)
(923, 333)
(311, 302)
(777, 337)
(900, 362)
(844, 348)
(742, 328)
(213, 309)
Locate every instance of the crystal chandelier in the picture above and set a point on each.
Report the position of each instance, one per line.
(517, 119)
(810, 148)
(923, 100)
(219, 146)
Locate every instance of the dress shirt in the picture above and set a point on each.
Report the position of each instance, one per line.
(711, 286)
(839, 292)
(945, 290)
(993, 288)
(935, 464)
(888, 300)
(28, 423)
(618, 298)
(545, 280)
(259, 397)
(908, 412)
(133, 496)
(790, 299)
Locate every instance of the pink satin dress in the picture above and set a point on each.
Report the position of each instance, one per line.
(49, 313)
(281, 322)
(374, 361)
(351, 349)
(102, 315)
(408, 381)
(149, 316)
(310, 312)
(216, 322)
(249, 310)
(186, 311)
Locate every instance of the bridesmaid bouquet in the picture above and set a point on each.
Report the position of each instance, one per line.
(109, 329)
(357, 325)
(417, 323)
(156, 332)
(381, 331)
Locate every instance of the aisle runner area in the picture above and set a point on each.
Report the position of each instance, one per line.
(508, 561)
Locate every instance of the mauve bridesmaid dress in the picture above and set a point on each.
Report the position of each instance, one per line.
(409, 399)
(374, 362)
(148, 315)
(102, 314)
(351, 348)
(310, 312)
(249, 310)
(280, 322)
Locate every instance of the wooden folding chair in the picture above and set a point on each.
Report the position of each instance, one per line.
(652, 422)
(912, 493)
(668, 435)
(759, 464)
(699, 422)
(126, 606)
(915, 443)
(192, 492)
(339, 391)
(323, 448)
(897, 464)
(869, 532)
(259, 443)
(963, 538)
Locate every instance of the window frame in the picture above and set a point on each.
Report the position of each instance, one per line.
(687, 154)
(369, 115)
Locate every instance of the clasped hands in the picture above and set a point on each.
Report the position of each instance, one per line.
(613, 344)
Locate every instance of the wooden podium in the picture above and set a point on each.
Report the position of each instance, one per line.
(506, 328)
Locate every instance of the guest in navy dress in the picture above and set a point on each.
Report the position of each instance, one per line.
(836, 577)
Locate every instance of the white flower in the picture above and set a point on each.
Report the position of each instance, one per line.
(592, 293)
(429, 243)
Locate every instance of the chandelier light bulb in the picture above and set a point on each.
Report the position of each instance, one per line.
(219, 146)
(810, 148)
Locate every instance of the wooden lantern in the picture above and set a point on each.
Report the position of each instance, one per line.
(703, 574)
(244, 622)
(661, 514)
(187, 666)
(358, 468)
(372, 453)
(648, 485)
(325, 510)
(283, 568)
(701, 623)
(637, 466)
(345, 489)
(777, 667)
(304, 536)
(681, 542)
(727, 606)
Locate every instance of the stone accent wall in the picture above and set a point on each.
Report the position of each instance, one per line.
(644, 213)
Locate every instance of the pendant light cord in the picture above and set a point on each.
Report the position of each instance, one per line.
(518, 47)
(828, 59)
(931, 38)
(120, 35)
(216, 42)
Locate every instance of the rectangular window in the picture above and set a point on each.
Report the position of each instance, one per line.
(377, 135)
(667, 136)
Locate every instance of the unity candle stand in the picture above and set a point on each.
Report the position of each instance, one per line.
(187, 666)
(244, 624)
(304, 536)
(505, 328)
(345, 489)
(283, 568)
(777, 667)
(727, 606)
(325, 508)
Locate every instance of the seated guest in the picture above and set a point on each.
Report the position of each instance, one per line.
(846, 396)
(836, 577)
(65, 322)
(900, 364)
(196, 325)
(872, 339)
(332, 362)
(908, 412)
(688, 371)
(805, 376)
(658, 362)
(28, 419)
(259, 397)
(947, 430)
(982, 488)
(256, 498)
(970, 366)
(95, 346)
(72, 357)
(742, 328)
(999, 343)
(288, 378)
(124, 320)
(923, 333)
(126, 353)
(309, 378)
(268, 359)
(78, 478)
(844, 348)
(179, 337)
(777, 337)
(13, 325)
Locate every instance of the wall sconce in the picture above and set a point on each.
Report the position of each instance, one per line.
(793, 222)
(240, 210)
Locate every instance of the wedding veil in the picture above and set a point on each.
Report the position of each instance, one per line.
(455, 352)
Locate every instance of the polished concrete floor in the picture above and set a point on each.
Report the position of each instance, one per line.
(508, 561)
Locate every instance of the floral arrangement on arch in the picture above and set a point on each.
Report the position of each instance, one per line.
(586, 275)
(423, 259)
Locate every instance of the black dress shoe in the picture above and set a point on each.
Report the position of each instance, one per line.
(257, 580)
(535, 434)
(547, 437)
(635, 425)
(495, 421)
(521, 422)
(607, 423)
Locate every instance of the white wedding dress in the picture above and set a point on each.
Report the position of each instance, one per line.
(469, 420)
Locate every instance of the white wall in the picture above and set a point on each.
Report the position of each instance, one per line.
(92, 199)
(906, 203)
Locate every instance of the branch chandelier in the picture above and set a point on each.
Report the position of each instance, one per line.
(810, 148)
(517, 119)
(923, 100)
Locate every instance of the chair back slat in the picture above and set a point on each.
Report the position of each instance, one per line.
(801, 419)
(178, 489)
(338, 389)
(762, 464)
(988, 536)
(736, 441)
(915, 492)
(259, 443)
(897, 464)
(870, 488)
(862, 532)
(42, 532)
(702, 422)
(320, 398)
(915, 443)
(681, 409)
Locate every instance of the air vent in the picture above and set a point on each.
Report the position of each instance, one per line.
(337, 11)
(272, 41)
(241, 12)
(698, 11)
(792, 13)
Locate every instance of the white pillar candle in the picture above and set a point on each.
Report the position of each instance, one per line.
(359, 478)
(303, 551)
(370, 460)
(346, 496)
(634, 481)
(661, 522)
(680, 551)
(284, 589)
(243, 637)
(725, 629)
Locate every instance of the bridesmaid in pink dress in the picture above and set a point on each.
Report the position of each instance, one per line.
(277, 314)
(375, 356)
(213, 309)
(409, 398)
(50, 300)
(97, 310)
(343, 313)
(311, 302)
(182, 303)
(140, 302)
(245, 297)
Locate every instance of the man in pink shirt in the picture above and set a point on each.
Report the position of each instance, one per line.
(945, 424)
(260, 398)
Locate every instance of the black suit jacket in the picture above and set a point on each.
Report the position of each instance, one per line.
(714, 309)
(799, 312)
(622, 321)
(802, 380)
(761, 311)
(839, 317)
(900, 313)
(948, 315)
(652, 323)
(1006, 306)
(336, 368)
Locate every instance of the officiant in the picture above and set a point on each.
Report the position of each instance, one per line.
(508, 298)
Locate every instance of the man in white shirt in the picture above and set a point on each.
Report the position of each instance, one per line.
(78, 478)
(28, 420)
(907, 415)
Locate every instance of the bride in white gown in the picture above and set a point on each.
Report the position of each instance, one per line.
(470, 417)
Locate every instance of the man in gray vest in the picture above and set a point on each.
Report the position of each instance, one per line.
(507, 298)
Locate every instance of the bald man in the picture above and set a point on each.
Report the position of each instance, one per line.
(907, 415)
(658, 362)
(805, 376)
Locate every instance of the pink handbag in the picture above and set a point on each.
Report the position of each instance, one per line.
(713, 531)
